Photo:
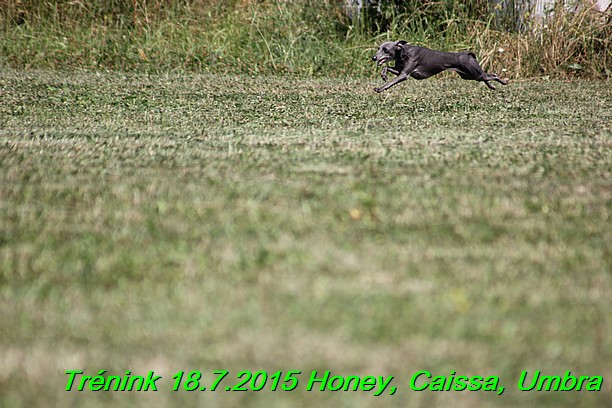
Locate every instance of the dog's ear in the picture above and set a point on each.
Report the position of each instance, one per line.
(399, 44)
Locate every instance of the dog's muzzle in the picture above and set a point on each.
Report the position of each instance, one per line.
(381, 60)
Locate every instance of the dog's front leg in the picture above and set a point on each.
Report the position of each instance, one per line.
(383, 73)
(386, 68)
(401, 77)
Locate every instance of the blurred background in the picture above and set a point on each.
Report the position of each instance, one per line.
(303, 37)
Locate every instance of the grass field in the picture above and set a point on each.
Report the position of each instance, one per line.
(212, 222)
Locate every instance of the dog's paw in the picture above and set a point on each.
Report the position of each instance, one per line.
(384, 77)
(378, 90)
(489, 85)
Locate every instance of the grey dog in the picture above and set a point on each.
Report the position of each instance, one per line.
(421, 63)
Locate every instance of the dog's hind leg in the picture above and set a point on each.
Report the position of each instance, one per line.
(493, 77)
(471, 69)
(498, 79)
(484, 77)
(490, 85)
(478, 76)
(465, 76)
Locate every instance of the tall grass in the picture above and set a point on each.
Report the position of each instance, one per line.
(303, 37)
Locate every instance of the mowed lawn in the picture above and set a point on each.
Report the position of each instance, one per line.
(216, 222)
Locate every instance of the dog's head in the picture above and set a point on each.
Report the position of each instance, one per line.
(388, 51)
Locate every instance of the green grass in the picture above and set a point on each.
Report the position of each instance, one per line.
(206, 222)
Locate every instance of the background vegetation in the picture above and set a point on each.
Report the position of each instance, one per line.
(303, 37)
